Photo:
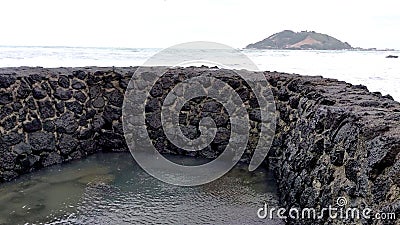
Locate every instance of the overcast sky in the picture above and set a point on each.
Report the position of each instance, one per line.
(162, 23)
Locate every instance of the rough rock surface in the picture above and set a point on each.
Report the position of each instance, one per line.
(332, 139)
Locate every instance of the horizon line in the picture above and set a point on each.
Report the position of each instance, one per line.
(160, 48)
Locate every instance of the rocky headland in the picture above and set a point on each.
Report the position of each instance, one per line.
(304, 40)
(332, 139)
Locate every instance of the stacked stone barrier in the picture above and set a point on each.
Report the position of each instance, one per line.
(332, 139)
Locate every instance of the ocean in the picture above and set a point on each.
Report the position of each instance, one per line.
(370, 68)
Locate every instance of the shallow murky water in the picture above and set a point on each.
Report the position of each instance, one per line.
(110, 188)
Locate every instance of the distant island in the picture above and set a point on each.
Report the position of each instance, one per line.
(304, 40)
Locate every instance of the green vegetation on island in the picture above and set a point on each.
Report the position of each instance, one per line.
(304, 40)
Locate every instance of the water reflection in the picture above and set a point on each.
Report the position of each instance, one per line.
(109, 188)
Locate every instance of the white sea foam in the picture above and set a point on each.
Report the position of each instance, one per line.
(369, 68)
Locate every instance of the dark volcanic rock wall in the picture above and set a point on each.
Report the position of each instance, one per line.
(50, 116)
(332, 139)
